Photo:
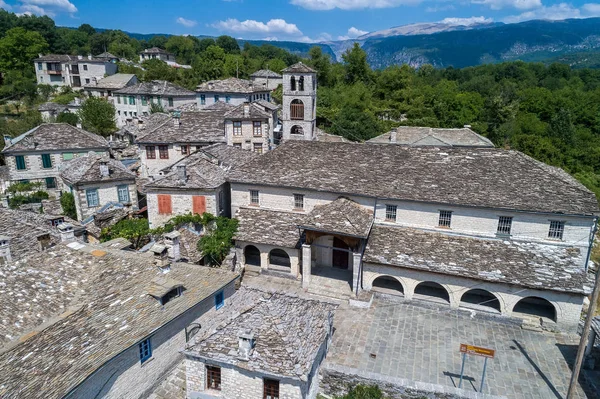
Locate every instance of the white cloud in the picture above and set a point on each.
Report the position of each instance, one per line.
(591, 9)
(354, 32)
(30, 9)
(440, 8)
(518, 4)
(4, 5)
(467, 21)
(351, 4)
(252, 26)
(552, 13)
(188, 23)
(55, 5)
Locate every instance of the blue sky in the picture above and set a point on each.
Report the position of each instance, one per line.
(298, 20)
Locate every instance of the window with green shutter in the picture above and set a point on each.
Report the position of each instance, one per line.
(170, 101)
(118, 99)
(67, 156)
(20, 161)
(144, 100)
(50, 182)
(123, 193)
(131, 100)
(46, 161)
(92, 197)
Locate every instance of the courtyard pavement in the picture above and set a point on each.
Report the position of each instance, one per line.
(420, 342)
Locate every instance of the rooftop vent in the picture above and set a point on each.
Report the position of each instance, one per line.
(5, 256)
(67, 232)
(246, 344)
(172, 244)
(44, 241)
(7, 140)
(246, 110)
(104, 171)
(467, 126)
(393, 135)
(182, 173)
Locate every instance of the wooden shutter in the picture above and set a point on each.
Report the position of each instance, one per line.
(198, 204)
(164, 204)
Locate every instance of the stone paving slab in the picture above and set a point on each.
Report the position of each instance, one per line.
(420, 342)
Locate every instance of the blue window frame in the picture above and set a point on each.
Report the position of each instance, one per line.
(227, 99)
(123, 193)
(50, 182)
(202, 99)
(216, 98)
(219, 300)
(145, 350)
(92, 197)
(20, 161)
(46, 161)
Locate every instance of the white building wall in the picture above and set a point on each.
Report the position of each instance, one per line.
(95, 71)
(234, 98)
(248, 140)
(125, 111)
(181, 204)
(107, 192)
(153, 167)
(271, 83)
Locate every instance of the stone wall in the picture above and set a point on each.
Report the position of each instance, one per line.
(265, 263)
(181, 203)
(107, 192)
(248, 140)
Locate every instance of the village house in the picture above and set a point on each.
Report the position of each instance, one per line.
(108, 56)
(96, 181)
(231, 91)
(104, 323)
(37, 155)
(514, 239)
(50, 110)
(106, 86)
(156, 53)
(427, 136)
(299, 109)
(178, 135)
(195, 184)
(266, 78)
(135, 101)
(75, 71)
(264, 344)
(250, 126)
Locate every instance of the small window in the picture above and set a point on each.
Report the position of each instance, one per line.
(144, 100)
(219, 300)
(170, 100)
(50, 182)
(169, 296)
(150, 152)
(185, 150)
(67, 156)
(293, 83)
(20, 161)
(202, 99)
(227, 99)
(46, 161)
(390, 212)
(301, 83)
(40, 66)
(163, 151)
(216, 98)
(87, 81)
(118, 99)
(271, 389)
(257, 128)
(298, 201)
(92, 197)
(504, 225)
(85, 67)
(254, 197)
(213, 378)
(131, 100)
(237, 128)
(557, 229)
(445, 219)
(145, 350)
(258, 148)
(123, 193)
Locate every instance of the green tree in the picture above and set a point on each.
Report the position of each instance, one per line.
(321, 63)
(67, 117)
(87, 29)
(98, 116)
(182, 47)
(67, 202)
(228, 43)
(45, 91)
(357, 67)
(18, 47)
(135, 230)
(156, 108)
(218, 240)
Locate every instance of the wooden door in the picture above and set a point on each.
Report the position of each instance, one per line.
(198, 204)
(340, 258)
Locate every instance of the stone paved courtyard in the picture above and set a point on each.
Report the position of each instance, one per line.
(421, 342)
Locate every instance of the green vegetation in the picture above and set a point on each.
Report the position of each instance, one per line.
(218, 239)
(135, 230)
(363, 392)
(67, 202)
(25, 193)
(67, 117)
(98, 116)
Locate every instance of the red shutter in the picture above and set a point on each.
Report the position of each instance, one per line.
(199, 204)
(164, 204)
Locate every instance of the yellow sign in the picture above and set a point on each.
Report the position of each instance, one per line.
(477, 351)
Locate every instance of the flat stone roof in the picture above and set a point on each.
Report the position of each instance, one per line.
(261, 226)
(342, 216)
(230, 85)
(156, 88)
(86, 169)
(56, 136)
(427, 136)
(114, 82)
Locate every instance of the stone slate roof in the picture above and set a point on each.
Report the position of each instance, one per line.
(255, 112)
(87, 170)
(63, 58)
(269, 227)
(299, 68)
(24, 228)
(56, 136)
(108, 55)
(156, 50)
(203, 126)
(288, 333)
(113, 82)
(156, 88)
(427, 136)
(342, 216)
(481, 177)
(267, 105)
(230, 85)
(99, 324)
(52, 107)
(329, 138)
(265, 73)
(525, 264)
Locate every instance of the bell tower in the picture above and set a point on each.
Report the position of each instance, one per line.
(299, 103)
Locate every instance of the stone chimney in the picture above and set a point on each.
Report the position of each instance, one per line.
(5, 256)
(246, 110)
(210, 85)
(44, 241)
(172, 244)
(7, 140)
(467, 126)
(79, 57)
(246, 344)
(182, 172)
(104, 171)
(393, 135)
(67, 232)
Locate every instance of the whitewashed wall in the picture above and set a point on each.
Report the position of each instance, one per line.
(107, 192)
(181, 203)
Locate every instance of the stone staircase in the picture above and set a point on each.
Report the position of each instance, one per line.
(329, 288)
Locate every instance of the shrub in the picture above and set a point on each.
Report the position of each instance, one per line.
(67, 201)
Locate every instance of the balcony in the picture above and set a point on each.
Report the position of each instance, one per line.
(55, 71)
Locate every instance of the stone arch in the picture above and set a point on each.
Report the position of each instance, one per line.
(251, 255)
(293, 83)
(297, 110)
(387, 285)
(480, 299)
(430, 290)
(297, 130)
(279, 257)
(537, 307)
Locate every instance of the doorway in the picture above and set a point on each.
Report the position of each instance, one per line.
(340, 256)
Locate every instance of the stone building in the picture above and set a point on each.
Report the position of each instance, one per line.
(250, 126)
(71, 70)
(231, 91)
(266, 78)
(510, 236)
(195, 184)
(38, 154)
(268, 345)
(96, 181)
(104, 323)
(156, 53)
(436, 137)
(50, 110)
(178, 135)
(299, 109)
(134, 101)
(106, 86)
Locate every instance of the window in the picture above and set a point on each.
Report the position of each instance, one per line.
(46, 161)
(131, 100)
(164, 204)
(185, 149)
(41, 79)
(557, 229)
(258, 148)
(213, 378)
(198, 204)
(163, 151)
(87, 81)
(237, 145)
(504, 225)
(150, 152)
(293, 83)
(298, 201)
(445, 219)
(227, 99)
(297, 130)
(257, 128)
(123, 193)
(301, 83)
(216, 98)
(50, 182)
(145, 350)
(270, 389)
(390, 212)
(254, 197)
(20, 161)
(170, 100)
(118, 99)
(219, 300)
(297, 110)
(151, 99)
(92, 197)
(202, 99)
(144, 100)
(237, 128)
(67, 156)
(174, 293)
(85, 67)
(40, 66)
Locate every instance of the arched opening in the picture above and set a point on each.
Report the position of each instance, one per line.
(297, 130)
(252, 255)
(278, 257)
(301, 84)
(536, 307)
(293, 83)
(430, 291)
(388, 285)
(480, 299)
(297, 110)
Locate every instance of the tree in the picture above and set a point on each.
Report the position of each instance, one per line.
(87, 29)
(182, 47)
(46, 91)
(67, 117)
(158, 70)
(228, 43)
(156, 108)
(135, 230)
(67, 202)
(321, 63)
(18, 47)
(357, 67)
(98, 116)
(218, 240)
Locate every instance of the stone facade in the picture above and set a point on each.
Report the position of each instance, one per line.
(247, 140)
(71, 71)
(265, 260)
(129, 107)
(154, 166)
(182, 203)
(303, 127)
(107, 192)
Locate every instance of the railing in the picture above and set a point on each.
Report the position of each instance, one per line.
(297, 111)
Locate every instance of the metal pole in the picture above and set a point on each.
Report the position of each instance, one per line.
(462, 370)
(483, 375)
